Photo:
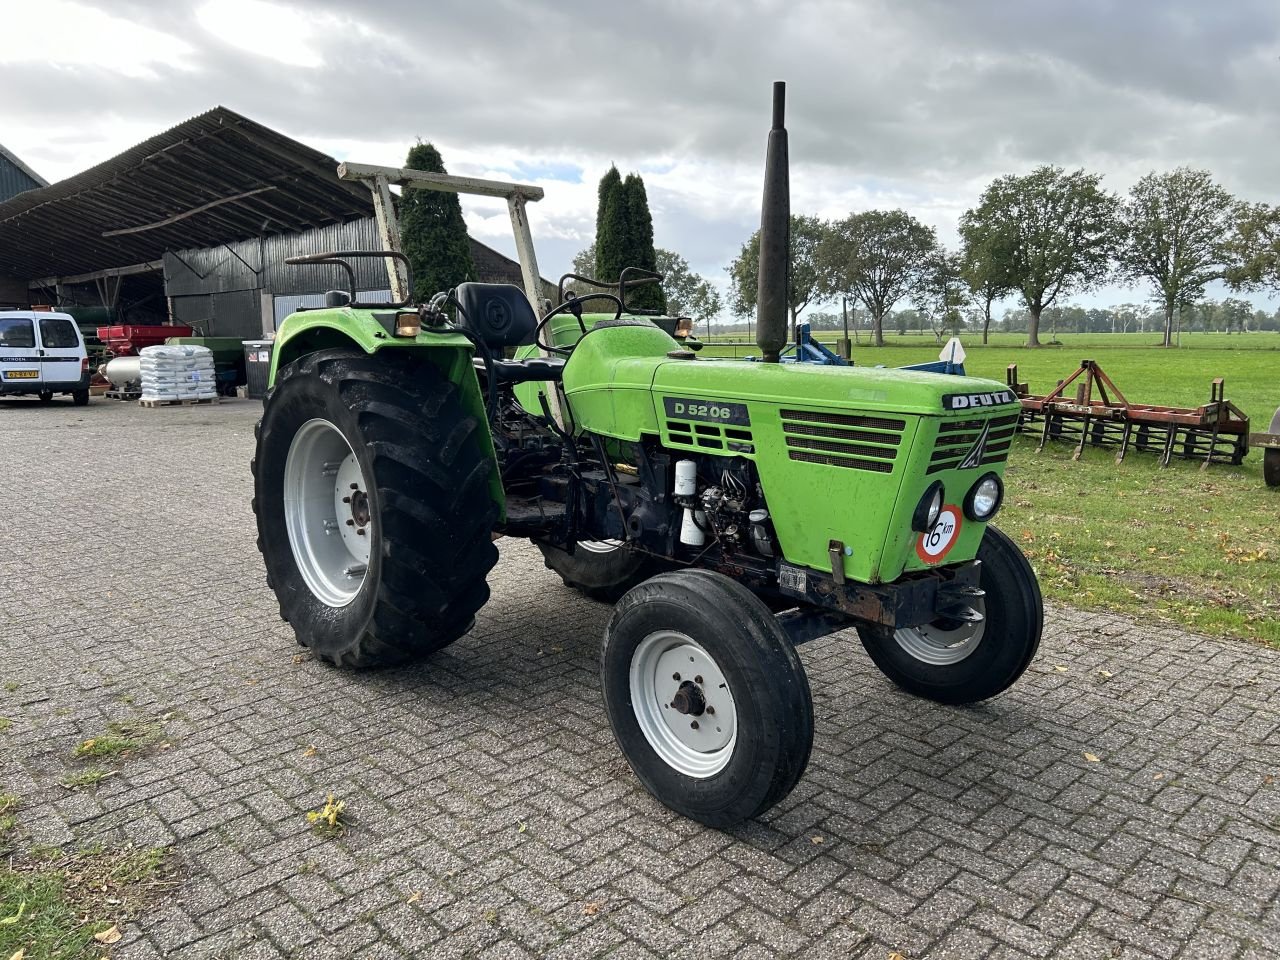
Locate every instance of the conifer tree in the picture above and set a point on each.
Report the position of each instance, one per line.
(432, 231)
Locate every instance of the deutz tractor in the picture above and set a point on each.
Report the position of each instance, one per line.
(731, 510)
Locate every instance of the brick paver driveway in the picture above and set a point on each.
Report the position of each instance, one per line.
(493, 815)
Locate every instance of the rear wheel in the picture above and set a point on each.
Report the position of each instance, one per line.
(706, 695)
(80, 398)
(954, 662)
(601, 569)
(374, 511)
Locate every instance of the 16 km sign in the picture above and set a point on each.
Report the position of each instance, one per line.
(934, 544)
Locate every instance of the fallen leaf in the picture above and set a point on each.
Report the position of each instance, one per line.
(815, 839)
(591, 909)
(415, 897)
(10, 921)
(1092, 758)
(1060, 668)
(22, 952)
(1158, 776)
(895, 955)
(310, 751)
(1106, 674)
(112, 935)
(523, 827)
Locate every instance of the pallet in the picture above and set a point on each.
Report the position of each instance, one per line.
(177, 403)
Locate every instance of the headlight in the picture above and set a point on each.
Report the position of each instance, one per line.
(929, 507)
(984, 498)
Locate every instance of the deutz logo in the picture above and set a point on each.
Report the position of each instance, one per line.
(974, 456)
(969, 401)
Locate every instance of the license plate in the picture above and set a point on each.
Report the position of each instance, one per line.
(21, 374)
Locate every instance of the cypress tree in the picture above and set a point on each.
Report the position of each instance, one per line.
(611, 228)
(640, 252)
(432, 231)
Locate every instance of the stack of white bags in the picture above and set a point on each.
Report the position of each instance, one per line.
(179, 372)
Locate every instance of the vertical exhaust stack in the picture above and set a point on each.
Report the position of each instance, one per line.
(775, 238)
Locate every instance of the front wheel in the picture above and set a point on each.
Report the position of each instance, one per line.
(374, 510)
(952, 662)
(45, 396)
(706, 695)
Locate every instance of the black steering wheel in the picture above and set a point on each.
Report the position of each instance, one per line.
(572, 305)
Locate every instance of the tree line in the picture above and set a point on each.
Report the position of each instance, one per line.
(1041, 237)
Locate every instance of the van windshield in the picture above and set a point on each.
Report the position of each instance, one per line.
(17, 332)
(58, 332)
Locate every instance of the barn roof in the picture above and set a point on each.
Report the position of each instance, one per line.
(213, 179)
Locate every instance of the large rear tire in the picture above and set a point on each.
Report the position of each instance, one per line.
(374, 510)
(603, 570)
(706, 695)
(965, 663)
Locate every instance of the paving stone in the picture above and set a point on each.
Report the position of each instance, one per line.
(944, 833)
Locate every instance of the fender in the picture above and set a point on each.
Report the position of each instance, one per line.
(310, 330)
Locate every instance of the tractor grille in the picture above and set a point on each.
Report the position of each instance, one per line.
(956, 439)
(842, 440)
(710, 437)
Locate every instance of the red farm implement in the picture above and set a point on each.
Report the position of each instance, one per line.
(1097, 413)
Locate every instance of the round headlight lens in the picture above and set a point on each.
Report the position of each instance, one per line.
(929, 508)
(984, 499)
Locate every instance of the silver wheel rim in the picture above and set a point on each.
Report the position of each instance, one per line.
(599, 546)
(699, 745)
(937, 647)
(326, 512)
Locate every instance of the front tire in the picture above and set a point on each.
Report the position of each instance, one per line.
(373, 505)
(45, 396)
(706, 696)
(603, 569)
(952, 663)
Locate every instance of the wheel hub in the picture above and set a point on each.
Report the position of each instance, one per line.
(328, 515)
(683, 704)
(945, 641)
(689, 700)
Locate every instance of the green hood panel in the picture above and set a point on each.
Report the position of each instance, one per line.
(864, 389)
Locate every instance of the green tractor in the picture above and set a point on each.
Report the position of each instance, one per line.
(732, 509)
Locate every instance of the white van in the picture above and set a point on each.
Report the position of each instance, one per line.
(43, 354)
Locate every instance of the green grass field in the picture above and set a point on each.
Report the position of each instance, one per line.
(1199, 548)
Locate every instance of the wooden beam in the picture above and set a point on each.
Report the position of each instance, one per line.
(187, 213)
(438, 181)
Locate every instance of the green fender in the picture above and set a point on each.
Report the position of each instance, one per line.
(310, 330)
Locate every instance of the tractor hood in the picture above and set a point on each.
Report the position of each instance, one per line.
(853, 388)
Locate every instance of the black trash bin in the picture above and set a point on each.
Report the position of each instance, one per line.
(257, 367)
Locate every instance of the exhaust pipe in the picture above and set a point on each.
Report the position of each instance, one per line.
(775, 238)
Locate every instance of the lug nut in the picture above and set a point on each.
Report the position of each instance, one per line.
(675, 677)
(346, 499)
(351, 523)
(694, 724)
(360, 532)
(698, 679)
(711, 710)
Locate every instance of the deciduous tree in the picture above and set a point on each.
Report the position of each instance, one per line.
(1050, 233)
(1174, 232)
(878, 257)
(805, 283)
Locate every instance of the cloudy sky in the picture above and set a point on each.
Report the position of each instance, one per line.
(914, 103)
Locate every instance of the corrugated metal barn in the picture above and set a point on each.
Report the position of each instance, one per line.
(194, 226)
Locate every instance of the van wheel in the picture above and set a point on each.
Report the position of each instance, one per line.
(45, 396)
(80, 398)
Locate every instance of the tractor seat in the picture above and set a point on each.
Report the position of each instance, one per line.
(522, 371)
